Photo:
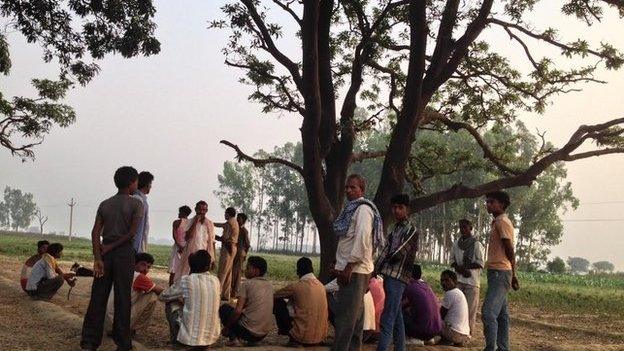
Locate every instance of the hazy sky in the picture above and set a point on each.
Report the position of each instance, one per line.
(167, 113)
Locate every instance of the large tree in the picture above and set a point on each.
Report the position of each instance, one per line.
(425, 63)
(74, 34)
(20, 208)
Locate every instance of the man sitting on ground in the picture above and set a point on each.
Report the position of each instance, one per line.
(144, 294)
(304, 316)
(454, 311)
(252, 319)
(42, 247)
(192, 304)
(421, 311)
(46, 276)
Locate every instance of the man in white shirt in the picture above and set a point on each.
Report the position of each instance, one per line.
(193, 304)
(467, 260)
(358, 228)
(454, 311)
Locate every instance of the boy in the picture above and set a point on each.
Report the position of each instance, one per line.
(501, 273)
(454, 311)
(116, 223)
(252, 319)
(46, 277)
(42, 247)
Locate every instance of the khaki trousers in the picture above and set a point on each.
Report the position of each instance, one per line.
(142, 311)
(237, 271)
(472, 297)
(226, 261)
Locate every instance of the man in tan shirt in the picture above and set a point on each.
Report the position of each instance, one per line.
(501, 274)
(304, 317)
(229, 242)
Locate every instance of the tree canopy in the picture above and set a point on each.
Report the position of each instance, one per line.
(18, 209)
(74, 34)
(426, 65)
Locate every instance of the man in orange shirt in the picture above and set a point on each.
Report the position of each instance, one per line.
(501, 273)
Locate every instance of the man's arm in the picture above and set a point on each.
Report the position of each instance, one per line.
(237, 313)
(220, 225)
(98, 265)
(124, 238)
(511, 256)
(443, 312)
(173, 293)
(284, 292)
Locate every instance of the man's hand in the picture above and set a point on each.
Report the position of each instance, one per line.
(98, 269)
(514, 283)
(106, 248)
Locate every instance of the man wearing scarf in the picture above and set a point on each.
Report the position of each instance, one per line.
(359, 229)
(467, 260)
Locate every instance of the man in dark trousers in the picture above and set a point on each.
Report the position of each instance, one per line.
(116, 223)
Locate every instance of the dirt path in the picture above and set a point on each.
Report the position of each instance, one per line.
(23, 325)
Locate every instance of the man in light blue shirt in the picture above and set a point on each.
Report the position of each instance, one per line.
(145, 185)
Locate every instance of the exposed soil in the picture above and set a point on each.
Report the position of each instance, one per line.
(33, 325)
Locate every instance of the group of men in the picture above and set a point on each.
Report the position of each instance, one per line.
(409, 302)
(201, 306)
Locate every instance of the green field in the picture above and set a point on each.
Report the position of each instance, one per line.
(564, 293)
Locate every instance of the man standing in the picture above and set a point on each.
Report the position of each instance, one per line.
(145, 185)
(241, 253)
(501, 273)
(358, 228)
(116, 221)
(198, 235)
(229, 242)
(395, 264)
(467, 260)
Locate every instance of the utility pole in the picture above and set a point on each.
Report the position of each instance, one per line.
(71, 205)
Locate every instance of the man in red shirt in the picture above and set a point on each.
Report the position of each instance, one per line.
(144, 294)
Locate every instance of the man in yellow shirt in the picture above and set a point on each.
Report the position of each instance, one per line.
(501, 273)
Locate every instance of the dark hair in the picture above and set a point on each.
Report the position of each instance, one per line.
(242, 216)
(124, 176)
(40, 243)
(360, 179)
(450, 274)
(143, 257)
(499, 196)
(230, 211)
(400, 199)
(199, 261)
(466, 222)
(416, 271)
(55, 249)
(185, 210)
(304, 266)
(201, 202)
(258, 262)
(145, 178)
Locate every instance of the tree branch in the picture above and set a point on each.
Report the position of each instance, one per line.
(257, 162)
(287, 8)
(365, 155)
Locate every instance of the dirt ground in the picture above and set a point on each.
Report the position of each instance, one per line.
(33, 325)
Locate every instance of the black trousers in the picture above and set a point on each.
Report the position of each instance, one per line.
(282, 317)
(46, 288)
(118, 270)
(237, 331)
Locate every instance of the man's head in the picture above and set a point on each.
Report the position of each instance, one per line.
(145, 182)
(241, 218)
(465, 227)
(256, 267)
(230, 212)
(126, 177)
(400, 207)
(416, 271)
(185, 211)
(143, 262)
(55, 250)
(355, 187)
(201, 208)
(497, 202)
(448, 280)
(199, 261)
(42, 246)
(304, 266)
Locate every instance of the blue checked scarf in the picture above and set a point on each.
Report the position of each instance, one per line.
(341, 225)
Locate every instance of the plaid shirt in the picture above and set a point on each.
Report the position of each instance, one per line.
(397, 257)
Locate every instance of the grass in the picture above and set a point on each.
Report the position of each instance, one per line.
(564, 293)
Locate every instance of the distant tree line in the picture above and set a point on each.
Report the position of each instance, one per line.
(18, 209)
(579, 265)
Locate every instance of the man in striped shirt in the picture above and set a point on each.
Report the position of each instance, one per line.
(395, 264)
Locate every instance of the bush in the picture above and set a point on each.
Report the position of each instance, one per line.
(557, 266)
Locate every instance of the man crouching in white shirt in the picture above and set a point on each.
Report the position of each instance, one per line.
(454, 312)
